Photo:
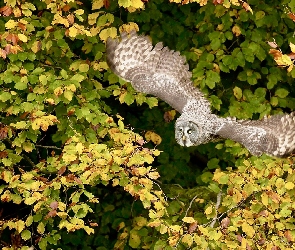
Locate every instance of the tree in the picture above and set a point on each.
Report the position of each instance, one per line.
(81, 152)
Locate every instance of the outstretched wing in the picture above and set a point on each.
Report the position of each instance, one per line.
(153, 70)
(274, 135)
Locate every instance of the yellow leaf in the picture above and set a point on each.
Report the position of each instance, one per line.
(128, 27)
(50, 101)
(17, 12)
(153, 175)
(216, 235)
(116, 182)
(58, 91)
(290, 67)
(156, 152)
(11, 24)
(71, 87)
(106, 33)
(28, 147)
(289, 185)
(175, 228)
(22, 37)
(100, 66)
(203, 230)
(208, 210)
(79, 12)
(58, 19)
(292, 47)
(69, 157)
(79, 148)
(68, 95)
(97, 4)
(73, 31)
(236, 30)
(152, 136)
(137, 4)
(19, 225)
(92, 17)
(163, 229)
(188, 219)
(249, 230)
(43, 122)
(187, 239)
(159, 205)
(284, 60)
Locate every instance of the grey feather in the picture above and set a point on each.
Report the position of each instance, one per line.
(164, 73)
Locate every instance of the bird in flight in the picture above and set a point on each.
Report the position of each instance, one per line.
(164, 73)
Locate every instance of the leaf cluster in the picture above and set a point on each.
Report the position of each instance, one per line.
(81, 152)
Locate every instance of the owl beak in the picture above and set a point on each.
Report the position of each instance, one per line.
(184, 138)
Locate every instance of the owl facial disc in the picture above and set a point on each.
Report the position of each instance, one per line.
(186, 133)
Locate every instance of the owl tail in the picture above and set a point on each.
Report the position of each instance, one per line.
(274, 136)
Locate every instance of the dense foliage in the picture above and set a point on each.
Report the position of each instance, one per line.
(86, 162)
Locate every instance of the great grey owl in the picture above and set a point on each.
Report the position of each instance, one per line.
(165, 74)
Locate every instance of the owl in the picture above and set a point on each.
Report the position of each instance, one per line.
(164, 73)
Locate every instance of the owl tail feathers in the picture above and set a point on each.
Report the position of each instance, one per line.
(274, 136)
(127, 53)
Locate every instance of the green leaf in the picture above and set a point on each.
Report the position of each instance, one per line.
(152, 102)
(26, 235)
(134, 240)
(238, 92)
(213, 163)
(5, 96)
(129, 98)
(21, 85)
(83, 67)
(282, 93)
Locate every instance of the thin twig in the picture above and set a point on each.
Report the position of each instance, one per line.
(28, 160)
(218, 202)
(190, 205)
(186, 212)
(53, 147)
(165, 197)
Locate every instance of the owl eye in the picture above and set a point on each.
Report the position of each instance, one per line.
(189, 131)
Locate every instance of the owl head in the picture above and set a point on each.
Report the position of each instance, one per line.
(187, 133)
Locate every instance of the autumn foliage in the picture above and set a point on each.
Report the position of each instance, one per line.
(86, 162)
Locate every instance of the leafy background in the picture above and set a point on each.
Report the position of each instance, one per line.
(88, 163)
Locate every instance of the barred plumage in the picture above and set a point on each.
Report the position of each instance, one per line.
(165, 74)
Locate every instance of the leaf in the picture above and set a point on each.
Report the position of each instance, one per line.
(152, 102)
(134, 240)
(5, 96)
(187, 239)
(236, 30)
(96, 4)
(68, 95)
(41, 228)
(21, 85)
(289, 185)
(188, 219)
(282, 93)
(108, 32)
(83, 67)
(292, 46)
(238, 92)
(152, 136)
(26, 235)
(249, 230)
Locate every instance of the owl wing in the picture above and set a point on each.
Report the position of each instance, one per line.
(153, 70)
(274, 135)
